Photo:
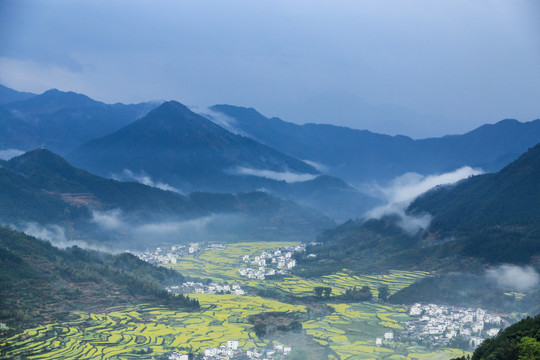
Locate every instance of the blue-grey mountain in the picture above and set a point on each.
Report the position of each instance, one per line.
(359, 155)
(61, 121)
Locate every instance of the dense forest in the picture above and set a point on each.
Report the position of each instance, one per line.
(41, 282)
(520, 341)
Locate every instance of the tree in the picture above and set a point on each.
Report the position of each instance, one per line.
(295, 326)
(260, 330)
(384, 292)
(529, 348)
(318, 290)
(327, 291)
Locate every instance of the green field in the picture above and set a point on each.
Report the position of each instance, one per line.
(348, 332)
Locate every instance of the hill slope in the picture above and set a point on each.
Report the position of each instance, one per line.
(498, 215)
(41, 187)
(521, 341)
(484, 220)
(42, 283)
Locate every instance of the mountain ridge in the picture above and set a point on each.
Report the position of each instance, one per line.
(362, 156)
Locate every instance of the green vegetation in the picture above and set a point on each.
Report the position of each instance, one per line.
(467, 289)
(322, 328)
(495, 217)
(520, 341)
(42, 283)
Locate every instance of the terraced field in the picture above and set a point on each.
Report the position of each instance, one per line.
(352, 329)
(123, 334)
(395, 279)
(223, 264)
(347, 333)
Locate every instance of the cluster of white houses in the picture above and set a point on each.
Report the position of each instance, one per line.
(230, 350)
(439, 324)
(270, 263)
(190, 287)
(167, 255)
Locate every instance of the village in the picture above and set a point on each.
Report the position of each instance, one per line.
(166, 255)
(190, 287)
(439, 325)
(270, 263)
(231, 350)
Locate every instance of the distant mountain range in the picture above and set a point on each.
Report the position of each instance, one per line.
(361, 156)
(178, 147)
(58, 120)
(240, 150)
(41, 187)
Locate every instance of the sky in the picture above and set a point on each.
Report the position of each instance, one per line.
(419, 67)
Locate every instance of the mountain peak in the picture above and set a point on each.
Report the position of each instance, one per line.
(37, 159)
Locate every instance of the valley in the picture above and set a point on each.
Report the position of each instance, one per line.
(328, 326)
(179, 233)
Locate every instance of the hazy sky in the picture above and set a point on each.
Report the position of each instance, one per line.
(414, 67)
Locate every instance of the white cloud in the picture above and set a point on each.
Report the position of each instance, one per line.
(10, 153)
(286, 176)
(108, 220)
(218, 118)
(514, 277)
(56, 235)
(408, 187)
(175, 227)
(128, 175)
(316, 165)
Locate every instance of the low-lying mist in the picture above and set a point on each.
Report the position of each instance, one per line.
(7, 154)
(404, 189)
(114, 231)
(512, 277)
(56, 235)
(134, 232)
(287, 176)
(128, 175)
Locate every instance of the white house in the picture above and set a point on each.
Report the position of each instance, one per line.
(232, 344)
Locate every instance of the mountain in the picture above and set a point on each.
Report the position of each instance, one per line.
(362, 156)
(8, 95)
(40, 282)
(41, 187)
(485, 220)
(176, 146)
(62, 121)
(497, 215)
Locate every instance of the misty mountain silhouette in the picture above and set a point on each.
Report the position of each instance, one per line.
(496, 215)
(40, 186)
(361, 155)
(8, 95)
(62, 121)
(177, 146)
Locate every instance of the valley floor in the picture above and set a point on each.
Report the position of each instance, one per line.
(330, 329)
